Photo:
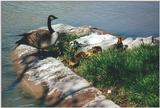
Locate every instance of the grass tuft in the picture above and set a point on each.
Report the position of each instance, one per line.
(135, 71)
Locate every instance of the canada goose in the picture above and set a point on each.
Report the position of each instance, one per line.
(81, 55)
(119, 44)
(40, 38)
(96, 49)
(73, 62)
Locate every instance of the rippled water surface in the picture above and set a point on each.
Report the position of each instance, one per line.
(124, 18)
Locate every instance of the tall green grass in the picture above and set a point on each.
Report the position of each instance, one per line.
(136, 71)
(63, 46)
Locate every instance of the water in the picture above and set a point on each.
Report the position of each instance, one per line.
(123, 18)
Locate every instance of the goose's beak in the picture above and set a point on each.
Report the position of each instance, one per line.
(56, 17)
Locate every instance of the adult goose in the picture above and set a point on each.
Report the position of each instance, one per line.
(40, 38)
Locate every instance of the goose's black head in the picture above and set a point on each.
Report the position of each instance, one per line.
(52, 17)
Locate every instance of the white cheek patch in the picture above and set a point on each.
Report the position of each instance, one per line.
(54, 38)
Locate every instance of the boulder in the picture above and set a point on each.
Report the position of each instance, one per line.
(140, 41)
(50, 80)
(104, 41)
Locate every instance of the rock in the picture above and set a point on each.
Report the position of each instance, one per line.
(95, 40)
(106, 41)
(49, 79)
(127, 41)
(22, 50)
(32, 89)
(100, 101)
(80, 31)
(135, 43)
(141, 41)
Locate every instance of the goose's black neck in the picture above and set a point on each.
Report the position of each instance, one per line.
(49, 26)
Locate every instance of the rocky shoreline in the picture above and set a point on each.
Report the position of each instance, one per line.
(57, 84)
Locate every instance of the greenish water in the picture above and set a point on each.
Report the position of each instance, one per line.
(124, 18)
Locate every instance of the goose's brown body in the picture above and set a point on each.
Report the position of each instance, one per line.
(39, 39)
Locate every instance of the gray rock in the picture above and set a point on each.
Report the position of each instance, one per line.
(59, 84)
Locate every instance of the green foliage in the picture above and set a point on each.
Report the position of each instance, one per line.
(136, 70)
(145, 92)
(63, 46)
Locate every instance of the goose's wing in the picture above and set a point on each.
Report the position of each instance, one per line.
(33, 38)
(25, 34)
(43, 34)
(23, 39)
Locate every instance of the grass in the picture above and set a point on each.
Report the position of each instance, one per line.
(132, 75)
(63, 46)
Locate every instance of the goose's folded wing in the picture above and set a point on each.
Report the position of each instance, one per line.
(24, 34)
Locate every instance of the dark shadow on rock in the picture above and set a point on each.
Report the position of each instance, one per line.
(72, 92)
(29, 61)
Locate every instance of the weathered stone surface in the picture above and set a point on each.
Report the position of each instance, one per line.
(51, 80)
(93, 40)
(22, 50)
(32, 89)
(101, 101)
(80, 98)
(141, 41)
(106, 41)
(19, 63)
